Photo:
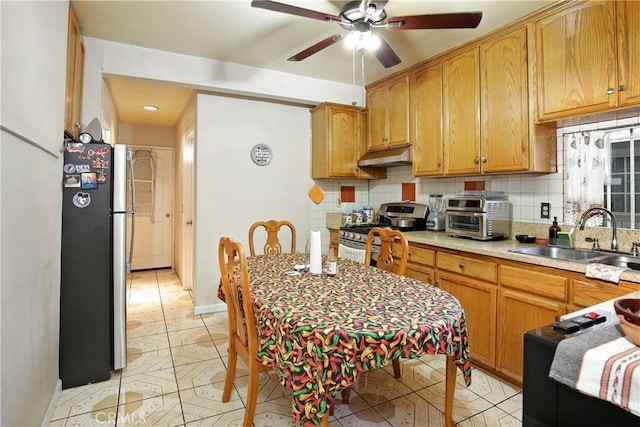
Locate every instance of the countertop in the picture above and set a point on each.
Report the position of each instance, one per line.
(500, 249)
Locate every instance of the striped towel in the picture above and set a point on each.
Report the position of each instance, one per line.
(352, 254)
(601, 363)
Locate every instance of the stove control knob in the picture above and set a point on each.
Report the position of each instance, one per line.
(351, 235)
(357, 236)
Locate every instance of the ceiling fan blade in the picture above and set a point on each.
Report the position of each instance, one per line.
(293, 10)
(435, 21)
(386, 55)
(316, 47)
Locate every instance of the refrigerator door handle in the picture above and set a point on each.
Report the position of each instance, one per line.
(131, 211)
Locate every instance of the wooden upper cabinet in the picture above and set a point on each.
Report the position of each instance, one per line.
(388, 113)
(75, 71)
(426, 120)
(461, 113)
(628, 26)
(338, 141)
(576, 61)
(505, 103)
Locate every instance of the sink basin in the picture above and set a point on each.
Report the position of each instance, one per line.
(556, 252)
(620, 260)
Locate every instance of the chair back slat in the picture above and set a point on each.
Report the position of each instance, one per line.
(235, 284)
(272, 245)
(386, 260)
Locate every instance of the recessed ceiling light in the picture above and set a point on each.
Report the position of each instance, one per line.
(150, 108)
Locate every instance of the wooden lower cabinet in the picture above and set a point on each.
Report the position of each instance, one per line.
(503, 299)
(479, 301)
(587, 292)
(518, 313)
(420, 263)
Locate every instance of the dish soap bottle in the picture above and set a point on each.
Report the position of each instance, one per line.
(553, 232)
(332, 262)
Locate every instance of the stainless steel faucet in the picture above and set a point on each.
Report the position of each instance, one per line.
(614, 227)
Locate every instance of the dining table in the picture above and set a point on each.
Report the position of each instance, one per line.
(320, 332)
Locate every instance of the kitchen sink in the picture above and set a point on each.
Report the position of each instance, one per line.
(555, 252)
(581, 255)
(620, 260)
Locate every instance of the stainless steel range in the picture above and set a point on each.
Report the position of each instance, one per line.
(403, 216)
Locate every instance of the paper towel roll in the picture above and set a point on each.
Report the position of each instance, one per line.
(315, 253)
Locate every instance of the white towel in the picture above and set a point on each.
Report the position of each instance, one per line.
(352, 254)
(606, 272)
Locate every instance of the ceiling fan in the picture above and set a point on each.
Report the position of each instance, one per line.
(360, 17)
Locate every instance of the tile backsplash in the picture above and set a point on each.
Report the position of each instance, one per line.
(525, 191)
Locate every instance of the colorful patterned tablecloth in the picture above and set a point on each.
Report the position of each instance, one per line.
(320, 332)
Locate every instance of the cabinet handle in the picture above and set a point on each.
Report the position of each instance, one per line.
(622, 88)
(483, 159)
(476, 160)
(461, 265)
(610, 91)
(385, 138)
(76, 125)
(438, 164)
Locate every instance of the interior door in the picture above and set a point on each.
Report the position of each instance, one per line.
(187, 194)
(153, 241)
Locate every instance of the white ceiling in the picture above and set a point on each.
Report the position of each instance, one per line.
(233, 31)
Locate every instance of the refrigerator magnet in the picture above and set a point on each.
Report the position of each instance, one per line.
(83, 168)
(69, 168)
(82, 199)
(71, 180)
(88, 180)
(102, 177)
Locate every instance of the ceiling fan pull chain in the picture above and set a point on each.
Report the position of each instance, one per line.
(364, 92)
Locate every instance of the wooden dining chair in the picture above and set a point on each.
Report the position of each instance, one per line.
(387, 261)
(243, 334)
(272, 245)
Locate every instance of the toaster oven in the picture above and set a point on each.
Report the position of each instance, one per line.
(478, 215)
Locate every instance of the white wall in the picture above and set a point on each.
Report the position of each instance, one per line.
(233, 192)
(155, 136)
(219, 126)
(34, 45)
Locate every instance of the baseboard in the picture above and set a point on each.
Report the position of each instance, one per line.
(53, 402)
(211, 308)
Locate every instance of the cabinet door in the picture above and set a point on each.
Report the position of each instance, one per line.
(397, 108)
(462, 114)
(376, 119)
(426, 120)
(75, 71)
(628, 24)
(505, 104)
(479, 303)
(517, 314)
(343, 138)
(576, 61)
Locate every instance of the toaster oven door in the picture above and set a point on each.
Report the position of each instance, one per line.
(470, 224)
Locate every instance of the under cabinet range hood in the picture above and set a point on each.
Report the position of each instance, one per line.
(402, 156)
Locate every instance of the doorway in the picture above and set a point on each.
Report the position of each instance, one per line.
(153, 181)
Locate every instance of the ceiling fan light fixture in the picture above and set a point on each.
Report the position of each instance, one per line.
(362, 41)
(151, 108)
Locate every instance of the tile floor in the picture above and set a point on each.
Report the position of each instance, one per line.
(176, 370)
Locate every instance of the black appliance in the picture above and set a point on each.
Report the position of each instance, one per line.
(93, 338)
(548, 403)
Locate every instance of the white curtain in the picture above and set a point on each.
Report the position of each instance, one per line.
(586, 173)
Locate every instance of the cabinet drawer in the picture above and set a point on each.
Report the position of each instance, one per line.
(589, 292)
(534, 282)
(420, 255)
(483, 270)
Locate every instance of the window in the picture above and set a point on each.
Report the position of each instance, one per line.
(621, 192)
(602, 168)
